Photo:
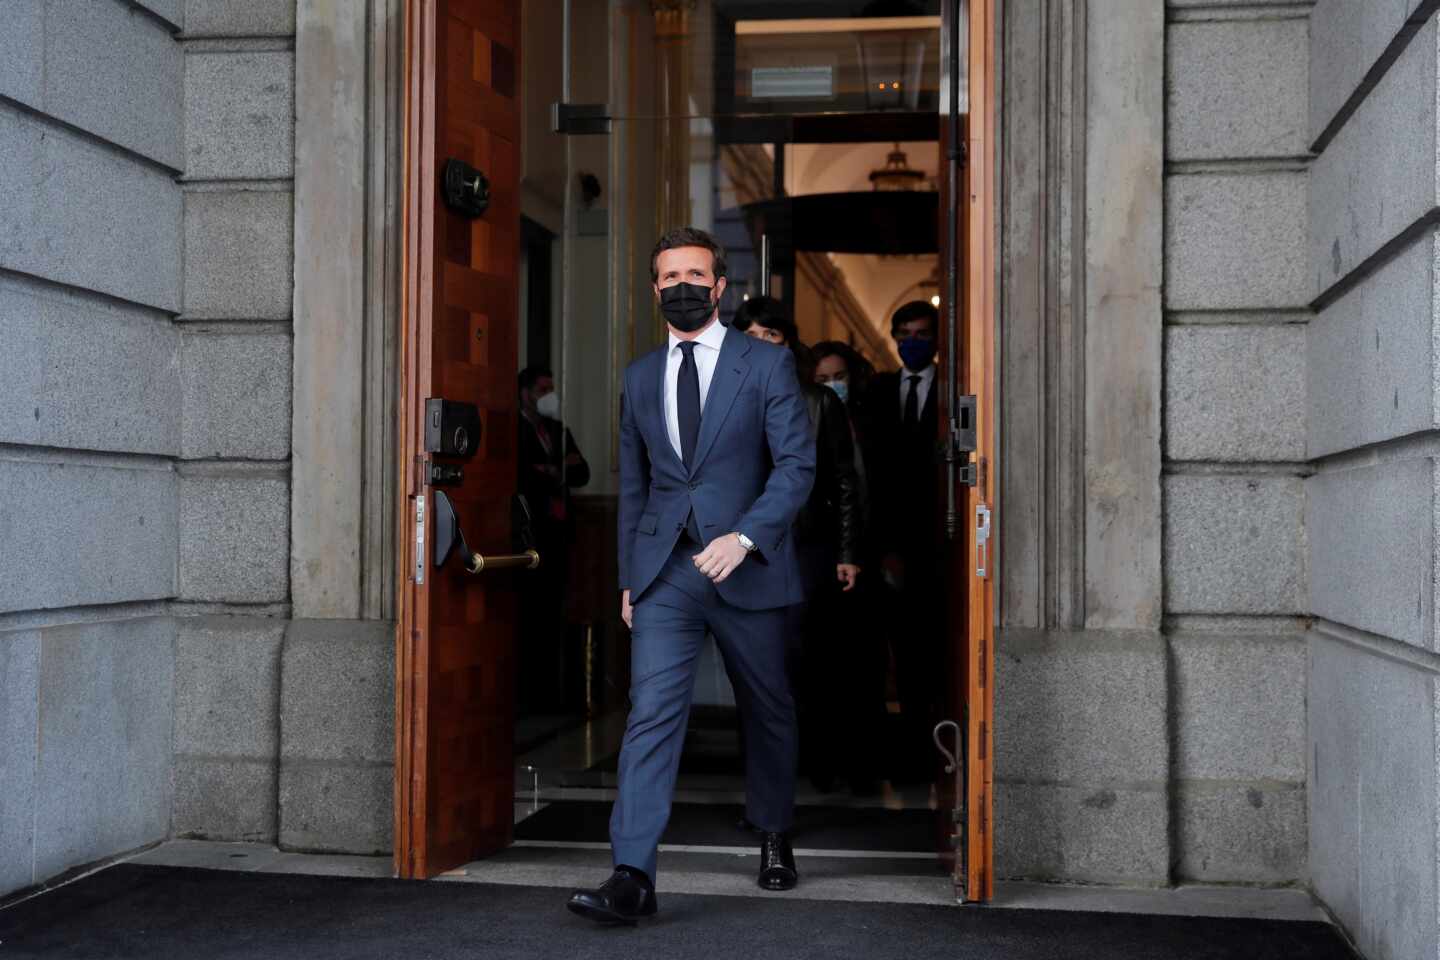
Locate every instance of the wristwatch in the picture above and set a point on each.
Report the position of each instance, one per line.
(746, 542)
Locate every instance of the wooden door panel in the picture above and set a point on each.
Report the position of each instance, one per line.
(455, 662)
(977, 676)
(971, 597)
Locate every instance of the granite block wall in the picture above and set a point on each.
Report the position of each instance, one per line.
(146, 274)
(1372, 440)
(1236, 312)
(90, 213)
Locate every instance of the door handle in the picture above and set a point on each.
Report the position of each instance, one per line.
(954, 765)
(448, 536)
(952, 761)
(479, 563)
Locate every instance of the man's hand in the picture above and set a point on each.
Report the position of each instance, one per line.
(627, 612)
(847, 573)
(720, 559)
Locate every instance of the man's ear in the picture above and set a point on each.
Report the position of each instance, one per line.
(656, 288)
(719, 289)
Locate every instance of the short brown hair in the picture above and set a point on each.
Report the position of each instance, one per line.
(686, 237)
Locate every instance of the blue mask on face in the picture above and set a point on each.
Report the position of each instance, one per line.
(841, 388)
(917, 352)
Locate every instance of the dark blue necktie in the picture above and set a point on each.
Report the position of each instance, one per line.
(687, 403)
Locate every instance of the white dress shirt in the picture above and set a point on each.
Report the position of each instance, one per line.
(707, 354)
(922, 389)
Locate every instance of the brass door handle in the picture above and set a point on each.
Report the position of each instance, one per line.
(479, 563)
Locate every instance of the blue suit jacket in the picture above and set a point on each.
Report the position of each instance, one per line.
(753, 468)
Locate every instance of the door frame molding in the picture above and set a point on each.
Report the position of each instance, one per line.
(347, 283)
(384, 280)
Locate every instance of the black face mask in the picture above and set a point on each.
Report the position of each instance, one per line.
(687, 306)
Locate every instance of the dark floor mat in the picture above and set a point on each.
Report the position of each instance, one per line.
(823, 828)
(146, 912)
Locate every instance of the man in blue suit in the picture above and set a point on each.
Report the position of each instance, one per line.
(717, 456)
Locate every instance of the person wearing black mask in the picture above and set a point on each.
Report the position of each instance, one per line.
(827, 535)
(903, 422)
(716, 459)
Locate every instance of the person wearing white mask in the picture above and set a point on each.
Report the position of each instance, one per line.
(545, 480)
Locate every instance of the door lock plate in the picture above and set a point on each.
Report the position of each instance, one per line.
(451, 428)
(982, 541)
(445, 474)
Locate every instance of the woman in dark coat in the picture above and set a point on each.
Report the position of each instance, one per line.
(828, 536)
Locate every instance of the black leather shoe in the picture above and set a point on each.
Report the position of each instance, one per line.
(777, 863)
(627, 896)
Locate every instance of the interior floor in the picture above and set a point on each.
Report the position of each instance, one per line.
(879, 846)
(578, 763)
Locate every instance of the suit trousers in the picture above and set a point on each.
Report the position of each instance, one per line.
(671, 620)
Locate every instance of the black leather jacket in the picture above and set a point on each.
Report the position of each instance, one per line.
(832, 514)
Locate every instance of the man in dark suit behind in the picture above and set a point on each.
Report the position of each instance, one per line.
(904, 489)
(717, 457)
(550, 466)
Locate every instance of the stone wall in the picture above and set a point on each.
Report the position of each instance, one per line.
(1372, 371)
(284, 727)
(1150, 704)
(146, 157)
(235, 332)
(1081, 746)
(91, 216)
(1236, 307)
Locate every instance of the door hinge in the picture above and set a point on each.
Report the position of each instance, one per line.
(983, 822)
(982, 740)
(981, 679)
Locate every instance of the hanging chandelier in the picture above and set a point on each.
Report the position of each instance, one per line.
(897, 174)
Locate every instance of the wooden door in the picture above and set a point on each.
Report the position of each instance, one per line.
(971, 554)
(977, 678)
(454, 767)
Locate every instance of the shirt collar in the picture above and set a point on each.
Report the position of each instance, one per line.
(713, 337)
(925, 375)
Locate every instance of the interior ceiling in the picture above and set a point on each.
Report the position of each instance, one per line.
(878, 283)
(845, 167)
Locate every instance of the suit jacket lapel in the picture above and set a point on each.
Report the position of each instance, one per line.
(731, 368)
